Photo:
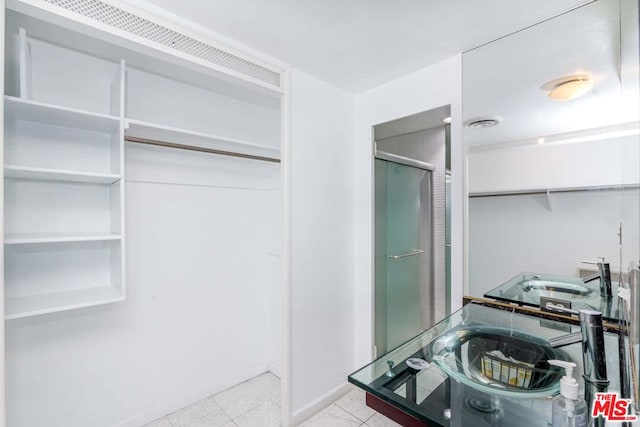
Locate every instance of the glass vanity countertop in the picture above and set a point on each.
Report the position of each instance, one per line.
(427, 393)
(526, 289)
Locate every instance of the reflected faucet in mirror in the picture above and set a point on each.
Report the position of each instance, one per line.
(604, 274)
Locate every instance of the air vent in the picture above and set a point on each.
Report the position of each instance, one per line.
(141, 27)
(483, 122)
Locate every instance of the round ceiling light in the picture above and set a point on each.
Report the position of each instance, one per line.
(483, 122)
(567, 88)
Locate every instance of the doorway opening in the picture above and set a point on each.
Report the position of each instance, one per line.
(410, 222)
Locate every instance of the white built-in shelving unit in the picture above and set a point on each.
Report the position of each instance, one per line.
(174, 109)
(64, 193)
(71, 102)
(102, 100)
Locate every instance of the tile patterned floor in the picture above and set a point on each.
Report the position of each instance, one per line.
(256, 403)
(350, 410)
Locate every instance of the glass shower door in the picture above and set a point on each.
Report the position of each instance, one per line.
(403, 253)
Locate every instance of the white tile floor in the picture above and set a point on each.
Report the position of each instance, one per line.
(350, 410)
(256, 403)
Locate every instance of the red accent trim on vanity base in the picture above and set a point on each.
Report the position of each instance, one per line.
(393, 413)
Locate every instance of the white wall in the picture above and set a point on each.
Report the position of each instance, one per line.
(196, 318)
(423, 90)
(322, 333)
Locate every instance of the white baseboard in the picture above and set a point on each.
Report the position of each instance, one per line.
(166, 408)
(275, 369)
(320, 403)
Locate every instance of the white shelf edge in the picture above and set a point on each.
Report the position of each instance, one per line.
(10, 239)
(142, 129)
(26, 109)
(57, 309)
(48, 174)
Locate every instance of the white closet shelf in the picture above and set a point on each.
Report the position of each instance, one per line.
(24, 109)
(26, 238)
(33, 305)
(47, 174)
(146, 130)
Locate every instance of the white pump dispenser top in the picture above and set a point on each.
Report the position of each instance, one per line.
(568, 385)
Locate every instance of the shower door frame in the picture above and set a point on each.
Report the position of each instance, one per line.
(429, 168)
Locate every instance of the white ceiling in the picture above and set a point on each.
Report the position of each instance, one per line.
(504, 78)
(500, 81)
(359, 44)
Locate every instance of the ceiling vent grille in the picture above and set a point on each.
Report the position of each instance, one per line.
(123, 20)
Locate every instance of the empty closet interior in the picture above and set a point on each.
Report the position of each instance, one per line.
(142, 212)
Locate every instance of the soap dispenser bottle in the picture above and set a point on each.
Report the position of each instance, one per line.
(568, 410)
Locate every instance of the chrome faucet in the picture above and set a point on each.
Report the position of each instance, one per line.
(594, 359)
(390, 372)
(604, 274)
(593, 355)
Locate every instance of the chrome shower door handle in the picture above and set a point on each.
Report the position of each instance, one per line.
(406, 254)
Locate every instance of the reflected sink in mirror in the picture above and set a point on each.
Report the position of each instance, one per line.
(497, 360)
(527, 288)
(553, 287)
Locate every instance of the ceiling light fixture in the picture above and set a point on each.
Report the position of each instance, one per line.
(567, 88)
(541, 140)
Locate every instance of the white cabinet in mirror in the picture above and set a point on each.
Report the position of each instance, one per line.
(63, 178)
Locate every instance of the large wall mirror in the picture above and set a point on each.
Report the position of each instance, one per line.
(552, 135)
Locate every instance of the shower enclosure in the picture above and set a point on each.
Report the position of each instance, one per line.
(403, 249)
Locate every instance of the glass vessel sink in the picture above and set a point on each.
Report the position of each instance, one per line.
(460, 379)
(498, 360)
(526, 288)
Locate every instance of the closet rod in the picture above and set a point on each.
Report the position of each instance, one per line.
(557, 190)
(147, 141)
